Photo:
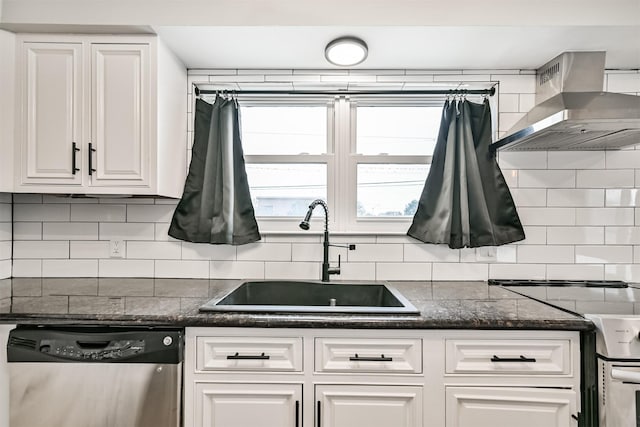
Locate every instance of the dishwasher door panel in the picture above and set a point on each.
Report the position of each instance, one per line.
(95, 394)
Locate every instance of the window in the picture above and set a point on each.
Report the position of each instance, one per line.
(367, 158)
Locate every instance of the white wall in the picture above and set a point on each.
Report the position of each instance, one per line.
(581, 212)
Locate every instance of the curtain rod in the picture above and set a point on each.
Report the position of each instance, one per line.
(489, 92)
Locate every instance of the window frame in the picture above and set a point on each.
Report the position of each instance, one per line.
(341, 159)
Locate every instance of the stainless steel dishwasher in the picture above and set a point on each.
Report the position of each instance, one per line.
(95, 377)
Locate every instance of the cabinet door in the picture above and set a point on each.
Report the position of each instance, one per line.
(248, 405)
(120, 122)
(508, 407)
(51, 113)
(370, 406)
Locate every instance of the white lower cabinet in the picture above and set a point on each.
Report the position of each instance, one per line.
(368, 405)
(268, 377)
(247, 405)
(508, 407)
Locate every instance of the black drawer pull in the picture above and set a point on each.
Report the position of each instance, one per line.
(512, 359)
(318, 416)
(91, 151)
(297, 413)
(357, 358)
(238, 356)
(74, 150)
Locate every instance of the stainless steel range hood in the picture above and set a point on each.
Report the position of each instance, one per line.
(572, 112)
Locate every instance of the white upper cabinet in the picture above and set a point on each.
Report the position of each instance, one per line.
(89, 120)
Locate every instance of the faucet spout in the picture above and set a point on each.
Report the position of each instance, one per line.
(326, 268)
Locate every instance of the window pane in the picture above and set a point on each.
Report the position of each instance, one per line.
(284, 130)
(386, 190)
(286, 189)
(397, 130)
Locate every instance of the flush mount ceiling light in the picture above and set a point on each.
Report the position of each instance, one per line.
(346, 51)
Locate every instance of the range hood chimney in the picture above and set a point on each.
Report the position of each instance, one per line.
(572, 112)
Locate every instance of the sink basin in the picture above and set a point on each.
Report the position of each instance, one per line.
(313, 297)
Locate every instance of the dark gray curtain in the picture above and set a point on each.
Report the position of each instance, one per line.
(465, 201)
(216, 205)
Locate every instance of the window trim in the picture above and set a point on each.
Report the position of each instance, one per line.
(342, 160)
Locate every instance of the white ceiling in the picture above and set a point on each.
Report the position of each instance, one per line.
(425, 34)
(470, 47)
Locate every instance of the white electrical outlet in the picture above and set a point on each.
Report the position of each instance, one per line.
(486, 253)
(116, 248)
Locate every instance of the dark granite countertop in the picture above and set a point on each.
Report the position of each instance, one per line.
(175, 303)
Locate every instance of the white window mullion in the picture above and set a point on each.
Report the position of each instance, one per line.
(344, 194)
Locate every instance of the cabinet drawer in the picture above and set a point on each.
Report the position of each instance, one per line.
(534, 357)
(248, 354)
(368, 355)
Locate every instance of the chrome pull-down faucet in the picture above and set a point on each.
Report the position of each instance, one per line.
(327, 270)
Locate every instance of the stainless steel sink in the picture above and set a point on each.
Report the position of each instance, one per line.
(282, 296)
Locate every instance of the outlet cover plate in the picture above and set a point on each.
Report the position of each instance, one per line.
(116, 249)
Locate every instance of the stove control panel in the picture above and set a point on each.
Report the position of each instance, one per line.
(91, 350)
(618, 337)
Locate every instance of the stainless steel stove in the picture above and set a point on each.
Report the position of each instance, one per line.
(614, 308)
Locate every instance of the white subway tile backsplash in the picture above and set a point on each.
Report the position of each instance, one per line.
(523, 159)
(580, 210)
(70, 231)
(125, 268)
(5, 231)
(155, 250)
(604, 254)
(575, 272)
(355, 271)
(509, 103)
(546, 178)
(5, 250)
(40, 213)
(625, 272)
(376, 252)
(27, 198)
(264, 252)
(205, 251)
(93, 250)
(545, 254)
(403, 271)
(508, 120)
(622, 235)
(516, 83)
(623, 159)
(517, 271)
(40, 249)
(547, 216)
(291, 270)
(575, 235)
(27, 230)
(605, 178)
(460, 271)
(604, 216)
(150, 213)
(622, 197)
(430, 253)
(5, 268)
(178, 269)
(527, 102)
(236, 270)
(98, 213)
(27, 268)
(576, 160)
(623, 83)
(126, 231)
(69, 268)
(575, 197)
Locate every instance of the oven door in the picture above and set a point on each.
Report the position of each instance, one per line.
(620, 394)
